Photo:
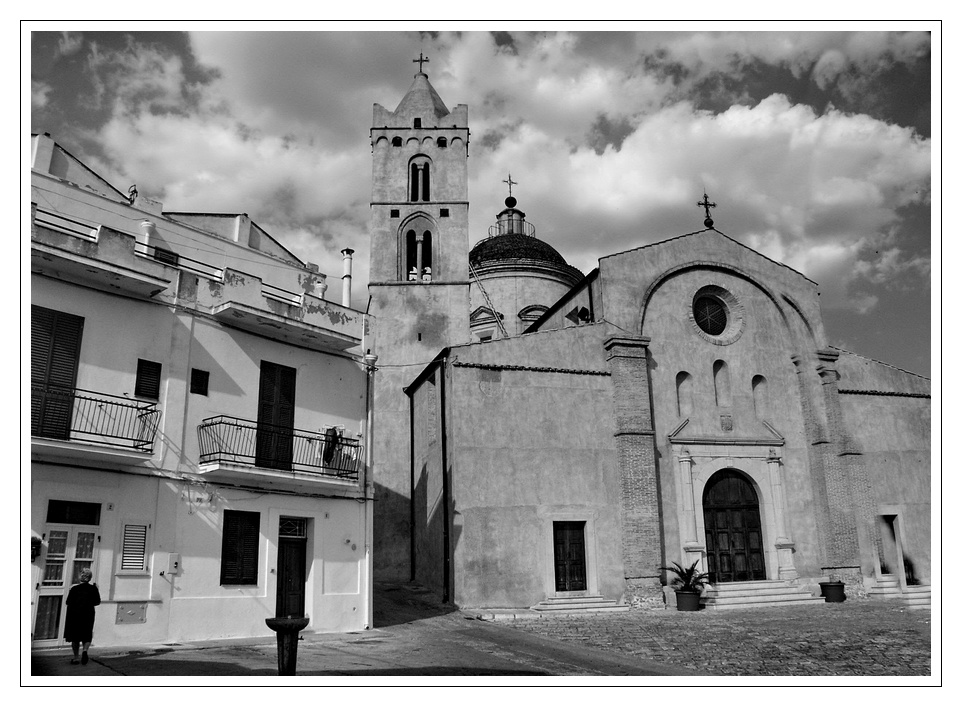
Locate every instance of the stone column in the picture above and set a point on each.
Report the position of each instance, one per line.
(784, 544)
(635, 443)
(694, 549)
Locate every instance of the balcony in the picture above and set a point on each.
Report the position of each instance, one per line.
(95, 256)
(231, 448)
(246, 302)
(70, 422)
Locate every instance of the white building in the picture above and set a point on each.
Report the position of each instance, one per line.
(200, 421)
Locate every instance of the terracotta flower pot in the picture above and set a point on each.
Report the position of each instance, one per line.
(687, 600)
(833, 591)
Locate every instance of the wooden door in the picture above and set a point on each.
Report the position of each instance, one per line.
(733, 531)
(570, 573)
(291, 576)
(275, 416)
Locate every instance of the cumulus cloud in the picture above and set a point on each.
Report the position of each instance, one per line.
(70, 43)
(610, 137)
(39, 94)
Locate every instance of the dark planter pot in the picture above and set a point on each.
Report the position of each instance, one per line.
(287, 630)
(833, 591)
(688, 601)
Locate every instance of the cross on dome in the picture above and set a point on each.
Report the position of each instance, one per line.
(420, 61)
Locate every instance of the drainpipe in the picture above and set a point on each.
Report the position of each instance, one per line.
(445, 494)
(368, 490)
(346, 278)
(412, 510)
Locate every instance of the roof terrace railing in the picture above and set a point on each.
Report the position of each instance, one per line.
(510, 227)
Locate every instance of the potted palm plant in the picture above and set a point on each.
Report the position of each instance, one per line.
(688, 583)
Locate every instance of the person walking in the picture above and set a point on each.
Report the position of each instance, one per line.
(79, 624)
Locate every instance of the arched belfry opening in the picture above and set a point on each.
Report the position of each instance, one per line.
(733, 528)
(418, 243)
(419, 182)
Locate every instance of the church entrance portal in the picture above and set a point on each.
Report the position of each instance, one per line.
(569, 556)
(733, 529)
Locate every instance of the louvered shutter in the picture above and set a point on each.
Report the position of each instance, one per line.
(54, 357)
(275, 416)
(148, 379)
(239, 547)
(133, 556)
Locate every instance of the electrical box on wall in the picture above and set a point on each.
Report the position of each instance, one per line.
(173, 563)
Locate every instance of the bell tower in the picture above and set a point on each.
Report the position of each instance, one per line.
(418, 283)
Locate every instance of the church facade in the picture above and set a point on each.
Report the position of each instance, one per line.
(549, 437)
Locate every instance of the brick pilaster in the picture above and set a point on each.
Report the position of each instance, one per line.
(635, 442)
(843, 529)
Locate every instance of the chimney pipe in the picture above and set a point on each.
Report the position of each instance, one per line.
(346, 278)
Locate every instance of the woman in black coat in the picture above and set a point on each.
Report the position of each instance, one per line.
(79, 624)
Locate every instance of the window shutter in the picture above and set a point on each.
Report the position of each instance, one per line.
(148, 379)
(133, 556)
(54, 357)
(239, 547)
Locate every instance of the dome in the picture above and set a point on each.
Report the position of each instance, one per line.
(514, 246)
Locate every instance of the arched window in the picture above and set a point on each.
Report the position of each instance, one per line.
(683, 390)
(723, 388)
(419, 263)
(442, 142)
(396, 141)
(760, 396)
(420, 181)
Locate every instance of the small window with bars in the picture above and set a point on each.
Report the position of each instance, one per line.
(133, 551)
(292, 527)
(148, 379)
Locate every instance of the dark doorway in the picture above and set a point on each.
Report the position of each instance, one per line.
(569, 556)
(291, 566)
(275, 416)
(733, 529)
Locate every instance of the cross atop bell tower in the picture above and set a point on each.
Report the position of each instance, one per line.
(419, 194)
(420, 61)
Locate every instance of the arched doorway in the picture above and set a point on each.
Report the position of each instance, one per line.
(733, 529)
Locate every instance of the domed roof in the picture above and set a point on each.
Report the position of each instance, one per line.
(514, 246)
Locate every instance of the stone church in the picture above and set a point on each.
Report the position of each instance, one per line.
(548, 438)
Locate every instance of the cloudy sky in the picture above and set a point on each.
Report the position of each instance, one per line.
(816, 146)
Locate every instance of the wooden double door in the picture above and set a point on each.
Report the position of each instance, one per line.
(733, 529)
(570, 568)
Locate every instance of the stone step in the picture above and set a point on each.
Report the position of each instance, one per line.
(758, 584)
(793, 601)
(578, 605)
(766, 591)
(761, 598)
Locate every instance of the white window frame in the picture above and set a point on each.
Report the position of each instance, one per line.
(145, 565)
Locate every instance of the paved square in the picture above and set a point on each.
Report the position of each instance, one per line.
(859, 638)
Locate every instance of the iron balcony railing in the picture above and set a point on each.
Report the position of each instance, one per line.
(95, 418)
(225, 439)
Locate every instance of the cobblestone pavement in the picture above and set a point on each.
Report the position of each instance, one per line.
(857, 638)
